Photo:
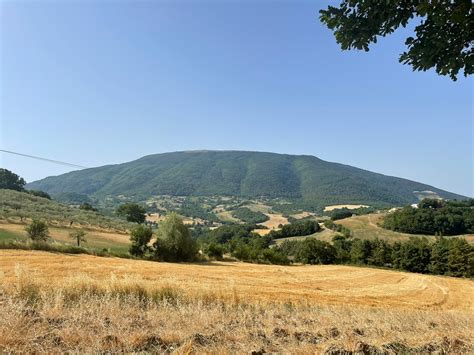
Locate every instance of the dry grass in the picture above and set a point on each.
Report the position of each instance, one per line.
(95, 239)
(328, 284)
(275, 219)
(303, 214)
(325, 235)
(87, 304)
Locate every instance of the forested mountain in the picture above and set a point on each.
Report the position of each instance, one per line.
(300, 178)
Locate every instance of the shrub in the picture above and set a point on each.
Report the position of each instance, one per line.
(214, 250)
(37, 230)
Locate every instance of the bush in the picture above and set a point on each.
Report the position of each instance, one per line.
(37, 230)
(214, 250)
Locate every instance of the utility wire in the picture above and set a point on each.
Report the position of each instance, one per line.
(44, 159)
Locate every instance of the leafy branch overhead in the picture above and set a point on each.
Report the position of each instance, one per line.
(444, 38)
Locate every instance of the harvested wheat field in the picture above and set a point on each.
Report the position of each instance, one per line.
(275, 219)
(85, 303)
(367, 227)
(95, 238)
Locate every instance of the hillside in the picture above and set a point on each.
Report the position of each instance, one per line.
(300, 178)
(18, 207)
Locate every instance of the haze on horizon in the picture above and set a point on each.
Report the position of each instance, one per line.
(98, 83)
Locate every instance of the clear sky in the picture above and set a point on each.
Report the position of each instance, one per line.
(102, 82)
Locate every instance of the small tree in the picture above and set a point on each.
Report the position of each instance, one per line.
(37, 230)
(132, 212)
(140, 236)
(174, 241)
(79, 236)
(11, 181)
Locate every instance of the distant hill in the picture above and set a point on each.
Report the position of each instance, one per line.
(301, 178)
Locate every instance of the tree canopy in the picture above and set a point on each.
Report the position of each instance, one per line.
(443, 38)
(174, 241)
(11, 181)
(132, 212)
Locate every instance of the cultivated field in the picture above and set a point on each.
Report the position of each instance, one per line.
(275, 219)
(117, 242)
(366, 227)
(86, 303)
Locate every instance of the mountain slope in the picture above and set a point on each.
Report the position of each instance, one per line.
(247, 174)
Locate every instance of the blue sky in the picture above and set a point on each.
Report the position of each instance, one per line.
(102, 82)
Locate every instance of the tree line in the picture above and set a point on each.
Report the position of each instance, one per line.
(433, 217)
(444, 256)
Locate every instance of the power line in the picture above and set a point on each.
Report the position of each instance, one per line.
(44, 159)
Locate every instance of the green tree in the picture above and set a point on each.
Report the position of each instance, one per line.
(215, 250)
(380, 253)
(313, 251)
(79, 236)
(341, 213)
(11, 181)
(415, 255)
(140, 237)
(443, 37)
(174, 241)
(361, 251)
(460, 258)
(439, 256)
(132, 212)
(342, 245)
(37, 230)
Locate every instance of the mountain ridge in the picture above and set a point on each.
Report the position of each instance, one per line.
(239, 173)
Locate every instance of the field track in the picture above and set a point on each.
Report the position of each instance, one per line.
(325, 285)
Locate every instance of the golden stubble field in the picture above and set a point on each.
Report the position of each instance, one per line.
(367, 227)
(85, 303)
